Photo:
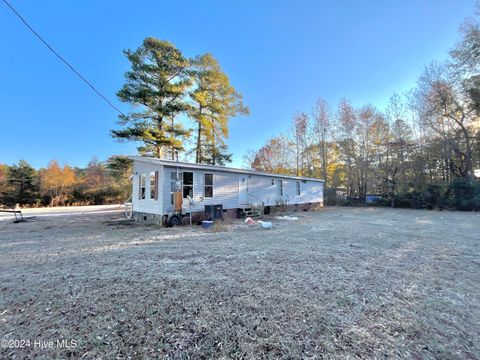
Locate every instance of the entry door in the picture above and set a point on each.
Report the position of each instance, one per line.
(243, 190)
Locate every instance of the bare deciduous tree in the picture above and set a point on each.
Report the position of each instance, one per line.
(321, 128)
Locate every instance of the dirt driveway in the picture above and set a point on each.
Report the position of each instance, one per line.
(342, 283)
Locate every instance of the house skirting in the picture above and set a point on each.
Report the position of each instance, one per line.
(147, 218)
(305, 207)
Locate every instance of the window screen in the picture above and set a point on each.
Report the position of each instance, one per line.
(208, 192)
(187, 184)
(142, 183)
(153, 185)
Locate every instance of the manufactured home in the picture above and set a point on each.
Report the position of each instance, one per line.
(163, 189)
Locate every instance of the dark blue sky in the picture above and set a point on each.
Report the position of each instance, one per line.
(281, 55)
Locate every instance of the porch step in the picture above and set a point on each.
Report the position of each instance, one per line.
(255, 213)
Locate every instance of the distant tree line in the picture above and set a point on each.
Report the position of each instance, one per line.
(422, 151)
(169, 93)
(62, 185)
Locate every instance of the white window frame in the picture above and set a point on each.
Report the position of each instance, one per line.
(142, 186)
(205, 185)
(188, 185)
(279, 187)
(153, 185)
(298, 188)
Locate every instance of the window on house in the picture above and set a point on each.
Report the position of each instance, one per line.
(153, 185)
(273, 181)
(187, 184)
(298, 188)
(142, 186)
(208, 192)
(173, 183)
(279, 187)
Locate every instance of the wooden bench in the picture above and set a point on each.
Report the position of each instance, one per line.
(18, 214)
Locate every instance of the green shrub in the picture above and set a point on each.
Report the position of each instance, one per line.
(460, 194)
(330, 197)
(433, 197)
(464, 194)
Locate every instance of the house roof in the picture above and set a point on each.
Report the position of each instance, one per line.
(217, 168)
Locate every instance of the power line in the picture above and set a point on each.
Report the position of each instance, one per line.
(61, 57)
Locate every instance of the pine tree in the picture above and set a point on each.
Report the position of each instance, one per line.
(215, 101)
(22, 182)
(157, 82)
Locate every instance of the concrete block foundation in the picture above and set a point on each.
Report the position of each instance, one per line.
(155, 219)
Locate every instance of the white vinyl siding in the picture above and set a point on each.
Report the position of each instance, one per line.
(146, 205)
(225, 189)
(279, 187)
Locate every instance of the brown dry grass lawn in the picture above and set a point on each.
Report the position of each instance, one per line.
(342, 283)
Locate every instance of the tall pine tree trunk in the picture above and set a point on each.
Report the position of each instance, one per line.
(158, 147)
(198, 154)
(468, 156)
(173, 139)
(214, 150)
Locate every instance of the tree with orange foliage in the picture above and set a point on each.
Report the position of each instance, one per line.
(275, 156)
(57, 182)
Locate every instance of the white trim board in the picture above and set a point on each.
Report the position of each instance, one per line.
(217, 168)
